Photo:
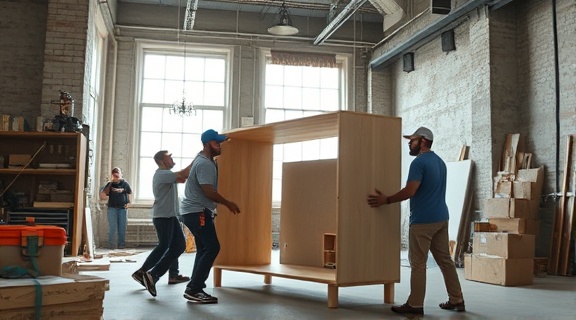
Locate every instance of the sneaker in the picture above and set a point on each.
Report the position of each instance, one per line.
(408, 309)
(199, 297)
(150, 283)
(453, 306)
(139, 277)
(178, 279)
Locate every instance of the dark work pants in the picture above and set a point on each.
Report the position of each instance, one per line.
(207, 247)
(171, 244)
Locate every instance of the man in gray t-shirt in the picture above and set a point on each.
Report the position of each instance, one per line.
(165, 216)
(200, 199)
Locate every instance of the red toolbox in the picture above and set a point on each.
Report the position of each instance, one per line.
(17, 247)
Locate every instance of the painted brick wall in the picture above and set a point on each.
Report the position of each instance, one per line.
(22, 34)
(64, 54)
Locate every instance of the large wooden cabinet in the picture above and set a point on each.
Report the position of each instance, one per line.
(50, 189)
(321, 201)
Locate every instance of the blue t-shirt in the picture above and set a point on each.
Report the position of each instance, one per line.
(428, 205)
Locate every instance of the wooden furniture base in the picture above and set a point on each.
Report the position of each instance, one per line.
(320, 275)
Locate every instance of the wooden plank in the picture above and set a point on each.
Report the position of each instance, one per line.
(321, 275)
(512, 145)
(566, 236)
(297, 130)
(245, 177)
(309, 208)
(368, 239)
(554, 261)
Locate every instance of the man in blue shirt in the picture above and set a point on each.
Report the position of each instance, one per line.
(426, 189)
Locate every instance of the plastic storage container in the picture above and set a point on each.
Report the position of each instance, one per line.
(14, 249)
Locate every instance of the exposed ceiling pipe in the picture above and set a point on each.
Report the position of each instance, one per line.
(344, 15)
(190, 15)
(424, 36)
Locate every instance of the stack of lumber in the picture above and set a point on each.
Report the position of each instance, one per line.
(68, 297)
(562, 254)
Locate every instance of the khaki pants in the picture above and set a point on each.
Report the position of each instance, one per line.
(431, 237)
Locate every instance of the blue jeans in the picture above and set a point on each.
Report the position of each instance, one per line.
(207, 247)
(117, 224)
(171, 244)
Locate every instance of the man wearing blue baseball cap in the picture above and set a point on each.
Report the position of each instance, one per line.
(428, 231)
(198, 207)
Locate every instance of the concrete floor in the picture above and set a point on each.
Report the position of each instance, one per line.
(245, 296)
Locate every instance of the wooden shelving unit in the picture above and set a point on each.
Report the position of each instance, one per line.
(319, 197)
(62, 148)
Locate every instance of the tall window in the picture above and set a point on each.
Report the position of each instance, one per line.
(165, 76)
(295, 91)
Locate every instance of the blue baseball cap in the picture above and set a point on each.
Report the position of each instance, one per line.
(211, 135)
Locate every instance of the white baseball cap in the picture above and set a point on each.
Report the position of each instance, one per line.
(421, 132)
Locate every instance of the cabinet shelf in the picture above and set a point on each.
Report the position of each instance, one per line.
(28, 171)
(42, 179)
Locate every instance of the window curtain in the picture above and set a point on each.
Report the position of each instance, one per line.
(288, 58)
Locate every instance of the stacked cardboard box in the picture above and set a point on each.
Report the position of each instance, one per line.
(515, 206)
(67, 297)
(505, 256)
(501, 258)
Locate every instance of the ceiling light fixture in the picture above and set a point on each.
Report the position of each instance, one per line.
(284, 27)
(182, 107)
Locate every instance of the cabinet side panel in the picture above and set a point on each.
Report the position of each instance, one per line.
(245, 178)
(368, 238)
(308, 210)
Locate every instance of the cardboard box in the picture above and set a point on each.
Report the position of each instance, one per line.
(18, 160)
(482, 226)
(468, 266)
(504, 245)
(509, 225)
(51, 240)
(503, 189)
(5, 122)
(506, 208)
(540, 267)
(501, 271)
(530, 191)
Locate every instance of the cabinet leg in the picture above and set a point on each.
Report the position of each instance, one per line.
(332, 296)
(389, 293)
(267, 279)
(217, 277)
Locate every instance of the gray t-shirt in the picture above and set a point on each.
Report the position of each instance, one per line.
(165, 191)
(204, 171)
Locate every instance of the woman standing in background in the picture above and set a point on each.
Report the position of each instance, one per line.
(119, 195)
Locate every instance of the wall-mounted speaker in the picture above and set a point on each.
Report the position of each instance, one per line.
(448, 43)
(440, 6)
(408, 60)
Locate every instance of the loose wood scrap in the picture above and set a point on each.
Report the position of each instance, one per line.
(570, 176)
(509, 161)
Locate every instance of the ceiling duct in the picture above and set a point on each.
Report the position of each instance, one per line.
(339, 20)
(391, 11)
(190, 15)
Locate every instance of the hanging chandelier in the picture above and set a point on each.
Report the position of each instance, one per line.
(182, 107)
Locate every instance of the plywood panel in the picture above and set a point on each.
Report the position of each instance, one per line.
(308, 208)
(368, 238)
(310, 128)
(245, 177)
